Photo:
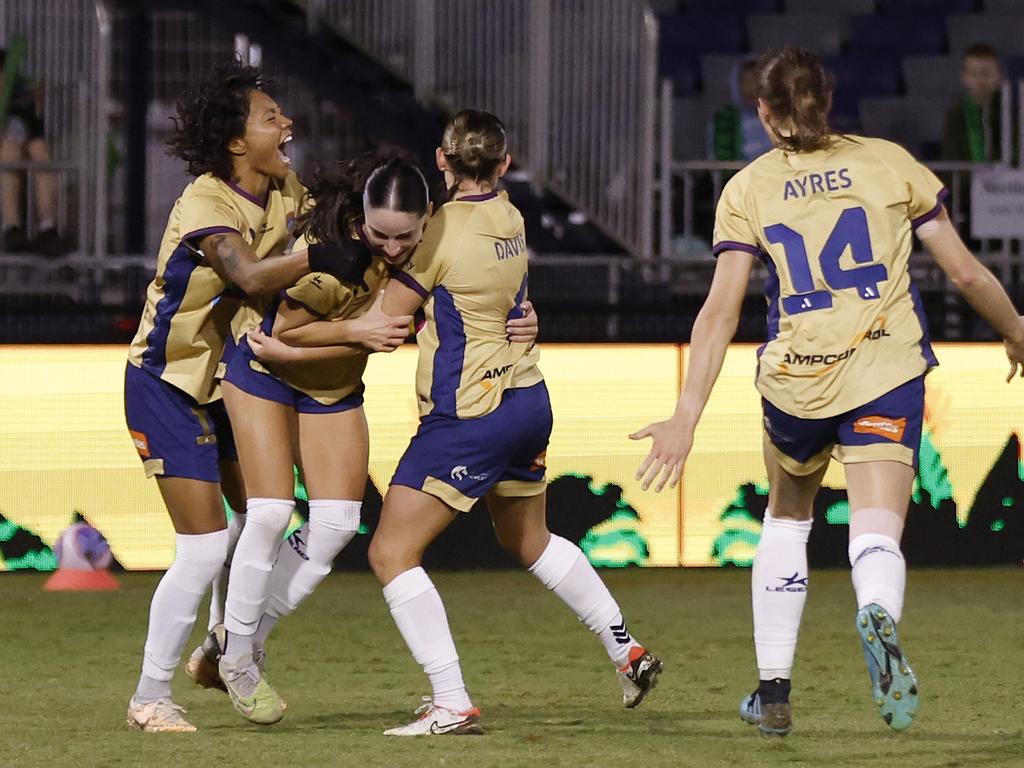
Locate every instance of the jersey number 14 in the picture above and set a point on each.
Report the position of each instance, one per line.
(851, 230)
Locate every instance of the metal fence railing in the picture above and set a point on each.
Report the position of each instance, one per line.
(574, 80)
(66, 47)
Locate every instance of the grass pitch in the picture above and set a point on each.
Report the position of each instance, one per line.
(548, 694)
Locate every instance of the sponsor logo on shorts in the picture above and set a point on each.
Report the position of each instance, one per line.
(461, 472)
(141, 443)
(882, 426)
(789, 584)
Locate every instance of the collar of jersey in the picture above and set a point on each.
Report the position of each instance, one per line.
(251, 198)
(477, 198)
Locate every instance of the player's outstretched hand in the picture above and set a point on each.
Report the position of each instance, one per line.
(1015, 353)
(379, 332)
(664, 463)
(523, 330)
(268, 349)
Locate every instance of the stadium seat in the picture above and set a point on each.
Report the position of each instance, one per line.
(742, 7)
(932, 76)
(684, 38)
(857, 77)
(903, 33)
(834, 7)
(821, 33)
(914, 123)
(717, 74)
(934, 7)
(1002, 31)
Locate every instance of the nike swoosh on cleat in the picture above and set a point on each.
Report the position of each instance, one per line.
(442, 729)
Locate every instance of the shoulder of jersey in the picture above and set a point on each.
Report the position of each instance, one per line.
(292, 186)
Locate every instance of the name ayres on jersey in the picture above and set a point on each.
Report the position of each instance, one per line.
(813, 183)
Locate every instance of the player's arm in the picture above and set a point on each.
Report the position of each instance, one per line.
(272, 350)
(373, 331)
(235, 261)
(976, 284)
(712, 331)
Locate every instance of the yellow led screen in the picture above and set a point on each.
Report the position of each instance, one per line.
(64, 451)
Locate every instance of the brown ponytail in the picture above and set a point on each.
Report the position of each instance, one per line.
(474, 144)
(797, 91)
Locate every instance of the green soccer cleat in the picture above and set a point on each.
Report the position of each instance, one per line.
(250, 693)
(893, 683)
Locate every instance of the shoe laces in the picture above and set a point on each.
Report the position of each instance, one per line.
(425, 708)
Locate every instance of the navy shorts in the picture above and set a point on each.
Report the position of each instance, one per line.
(174, 435)
(885, 429)
(246, 372)
(460, 460)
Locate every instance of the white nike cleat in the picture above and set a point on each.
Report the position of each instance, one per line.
(639, 677)
(160, 716)
(440, 721)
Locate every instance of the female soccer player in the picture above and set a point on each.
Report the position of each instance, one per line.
(485, 419)
(842, 374)
(310, 412)
(236, 212)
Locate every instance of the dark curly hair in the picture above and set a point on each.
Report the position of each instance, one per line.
(389, 177)
(210, 115)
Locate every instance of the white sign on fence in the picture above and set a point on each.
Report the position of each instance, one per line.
(997, 203)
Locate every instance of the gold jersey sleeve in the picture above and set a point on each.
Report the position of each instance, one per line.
(471, 270)
(189, 308)
(328, 298)
(833, 229)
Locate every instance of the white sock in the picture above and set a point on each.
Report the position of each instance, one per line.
(879, 572)
(220, 584)
(173, 610)
(419, 614)
(267, 520)
(564, 569)
(306, 557)
(778, 590)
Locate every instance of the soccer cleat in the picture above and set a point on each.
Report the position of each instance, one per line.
(775, 719)
(893, 683)
(639, 677)
(250, 693)
(201, 666)
(434, 720)
(160, 716)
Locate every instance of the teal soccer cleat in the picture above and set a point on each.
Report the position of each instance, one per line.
(893, 683)
(768, 708)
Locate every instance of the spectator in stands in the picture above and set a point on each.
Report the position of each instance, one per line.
(21, 136)
(973, 127)
(735, 132)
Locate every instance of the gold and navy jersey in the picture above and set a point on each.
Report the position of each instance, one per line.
(470, 269)
(189, 308)
(833, 228)
(328, 298)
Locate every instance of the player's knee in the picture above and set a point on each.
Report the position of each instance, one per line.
(388, 559)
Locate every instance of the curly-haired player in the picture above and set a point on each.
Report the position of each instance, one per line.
(223, 243)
